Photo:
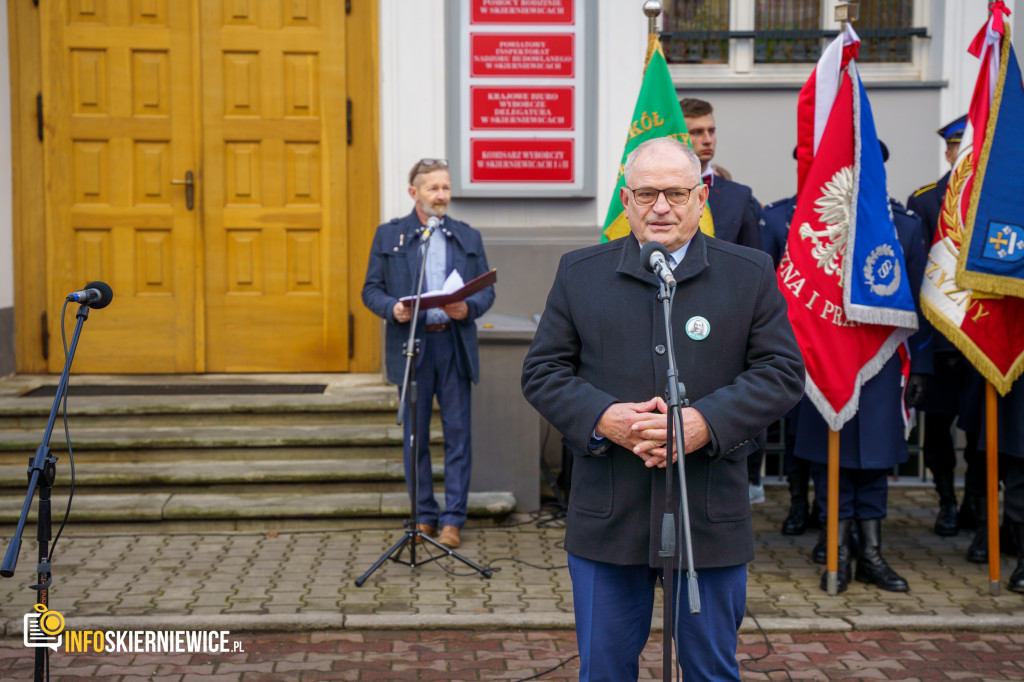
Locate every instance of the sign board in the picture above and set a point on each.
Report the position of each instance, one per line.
(521, 98)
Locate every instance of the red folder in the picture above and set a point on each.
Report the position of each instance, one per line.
(471, 287)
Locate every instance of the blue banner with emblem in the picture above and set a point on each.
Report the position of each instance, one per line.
(876, 285)
(993, 260)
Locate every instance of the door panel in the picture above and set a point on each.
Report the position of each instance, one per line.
(120, 129)
(248, 95)
(274, 234)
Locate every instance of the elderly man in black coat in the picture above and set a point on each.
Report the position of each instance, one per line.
(596, 371)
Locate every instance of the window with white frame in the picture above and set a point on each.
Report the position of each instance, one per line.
(780, 32)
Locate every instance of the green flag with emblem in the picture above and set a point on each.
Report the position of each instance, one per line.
(657, 114)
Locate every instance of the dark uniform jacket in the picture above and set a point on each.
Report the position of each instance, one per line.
(736, 213)
(601, 340)
(775, 220)
(946, 389)
(391, 275)
(874, 438)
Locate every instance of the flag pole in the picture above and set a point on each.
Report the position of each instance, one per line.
(832, 516)
(992, 485)
(845, 12)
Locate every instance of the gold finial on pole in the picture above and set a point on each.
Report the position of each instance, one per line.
(652, 8)
(847, 12)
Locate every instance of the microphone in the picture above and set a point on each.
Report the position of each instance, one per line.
(95, 295)
(432, 223)
(655, 258)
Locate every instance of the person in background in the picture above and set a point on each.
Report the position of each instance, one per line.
(802, 514)
(448, 361)
(872, 442)
(736, 215)
(941, 401)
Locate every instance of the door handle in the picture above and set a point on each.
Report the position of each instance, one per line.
(190, 189)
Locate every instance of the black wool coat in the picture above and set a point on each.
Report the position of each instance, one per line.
(597, 344)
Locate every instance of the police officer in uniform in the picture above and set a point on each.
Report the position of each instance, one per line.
(775, 220)
(872, 442)
(941, 402)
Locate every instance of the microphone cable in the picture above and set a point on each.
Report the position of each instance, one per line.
(67, 436)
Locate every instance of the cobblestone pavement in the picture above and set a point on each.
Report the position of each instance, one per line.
(458, 655)
(292, 597)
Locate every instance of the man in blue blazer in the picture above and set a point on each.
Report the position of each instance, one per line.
(596, 371)
(448, 361)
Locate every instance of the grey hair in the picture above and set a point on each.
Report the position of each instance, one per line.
(661, 142)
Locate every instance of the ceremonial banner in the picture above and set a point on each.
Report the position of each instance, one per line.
(993, 260)
(657, 114)
(987, 328)
(843, 274)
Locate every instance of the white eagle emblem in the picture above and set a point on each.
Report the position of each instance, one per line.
(834, 206)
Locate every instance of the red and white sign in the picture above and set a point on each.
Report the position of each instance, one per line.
(517, 160)
(521, 54)
(533, 108)
(522, 12)
(521, 96)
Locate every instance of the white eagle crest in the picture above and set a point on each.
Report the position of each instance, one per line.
(834, 206)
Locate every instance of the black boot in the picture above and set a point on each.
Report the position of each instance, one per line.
(871, 566)
(853, 540)
(968, 516)
(814, 516)
(977, 553)
(796, 520)
(843, 567)
(1016, 583)
(946, 523)
(818, 552)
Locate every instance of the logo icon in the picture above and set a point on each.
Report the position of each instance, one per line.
(44, 628)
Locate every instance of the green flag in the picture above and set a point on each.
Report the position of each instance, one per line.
(657, 114)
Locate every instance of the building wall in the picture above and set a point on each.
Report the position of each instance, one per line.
(6, 218)
(756, 125)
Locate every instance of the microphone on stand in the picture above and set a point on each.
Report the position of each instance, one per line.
(95, 295)
(655, 259)
(432, 224)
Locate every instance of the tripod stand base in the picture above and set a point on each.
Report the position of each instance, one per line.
(411, 538)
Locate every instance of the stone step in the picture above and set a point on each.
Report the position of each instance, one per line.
(185, 436)
(215, 473)
(88, 456)
(197, 512)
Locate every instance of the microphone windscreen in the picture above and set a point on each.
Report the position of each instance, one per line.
(648, 250)
(106, 294)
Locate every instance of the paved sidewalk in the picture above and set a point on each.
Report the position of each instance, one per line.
(253, 584)
(303, 581)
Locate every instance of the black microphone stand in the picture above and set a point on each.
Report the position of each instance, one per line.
(674, 444)
(42, 471)
(413, 534)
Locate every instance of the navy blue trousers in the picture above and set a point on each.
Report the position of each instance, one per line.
(863, 493)
(614, 605)
(437, 374)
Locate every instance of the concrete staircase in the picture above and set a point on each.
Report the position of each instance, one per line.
(190, 458)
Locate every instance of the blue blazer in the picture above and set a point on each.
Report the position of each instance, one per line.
(736, 213)
(874, 438)
(391, 274)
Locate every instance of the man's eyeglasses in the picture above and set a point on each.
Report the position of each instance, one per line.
(428, 165)
(648, 196)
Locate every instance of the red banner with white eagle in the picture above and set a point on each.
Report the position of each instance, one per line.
(843, 274)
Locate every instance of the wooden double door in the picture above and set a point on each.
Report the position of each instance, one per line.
(196, 157)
